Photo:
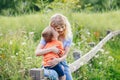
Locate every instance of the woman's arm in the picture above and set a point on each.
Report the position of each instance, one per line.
(65, 54)
(40, 51)
(55, 61)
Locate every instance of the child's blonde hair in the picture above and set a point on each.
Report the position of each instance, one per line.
(59, 19)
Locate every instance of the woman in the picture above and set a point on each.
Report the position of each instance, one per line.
(62, 26)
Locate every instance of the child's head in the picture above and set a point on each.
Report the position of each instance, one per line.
(60, 23)
(49, 33)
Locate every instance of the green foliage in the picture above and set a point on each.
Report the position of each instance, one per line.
(103, 66)
(20, 7)
(20, 35)
(13, 7)
(16, 58)
(98, 5)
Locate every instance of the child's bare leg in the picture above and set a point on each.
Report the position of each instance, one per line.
(62, 78)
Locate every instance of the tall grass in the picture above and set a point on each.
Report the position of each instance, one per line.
(20, 35)
(104, 66)
(98, 21)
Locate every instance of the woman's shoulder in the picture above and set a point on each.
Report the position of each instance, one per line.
(69, 39)
(42, 41)
(67, 42)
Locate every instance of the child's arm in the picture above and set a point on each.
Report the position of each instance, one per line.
(40, 51)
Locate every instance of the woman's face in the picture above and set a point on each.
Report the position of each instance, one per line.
(60, 29)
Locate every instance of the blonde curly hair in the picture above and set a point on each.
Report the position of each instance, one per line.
(58, 20)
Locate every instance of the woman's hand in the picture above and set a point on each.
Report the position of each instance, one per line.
(54, 62)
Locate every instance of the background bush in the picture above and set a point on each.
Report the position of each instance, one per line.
(15, 7)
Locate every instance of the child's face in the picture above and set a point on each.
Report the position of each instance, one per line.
(60, 29)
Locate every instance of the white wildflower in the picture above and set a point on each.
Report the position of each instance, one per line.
(73, 44)
(90, 65)
(107, 52)
(79, 43)
(101, 50)
(83, 37)
(12, 56)
(96, 56)
(16, 53)
(10, 42)
(111, 58)
(100, 63)
(88, 32)
(31, 33)
(29, 63)
(28, 58)
(1, 34)
(23, 43)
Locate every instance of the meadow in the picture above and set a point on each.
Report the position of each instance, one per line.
(20, 35)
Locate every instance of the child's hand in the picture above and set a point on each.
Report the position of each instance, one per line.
(55, 49)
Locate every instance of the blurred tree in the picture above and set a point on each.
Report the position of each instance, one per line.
(12, 7)
(99, 5)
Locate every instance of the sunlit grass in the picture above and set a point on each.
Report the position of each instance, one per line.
(20, 35)
(98, 21)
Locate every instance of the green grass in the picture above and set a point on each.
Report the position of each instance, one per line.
(98, 21)
(20, 35)
(104, 66)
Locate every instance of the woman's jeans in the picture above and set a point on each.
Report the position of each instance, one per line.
(52, 74)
